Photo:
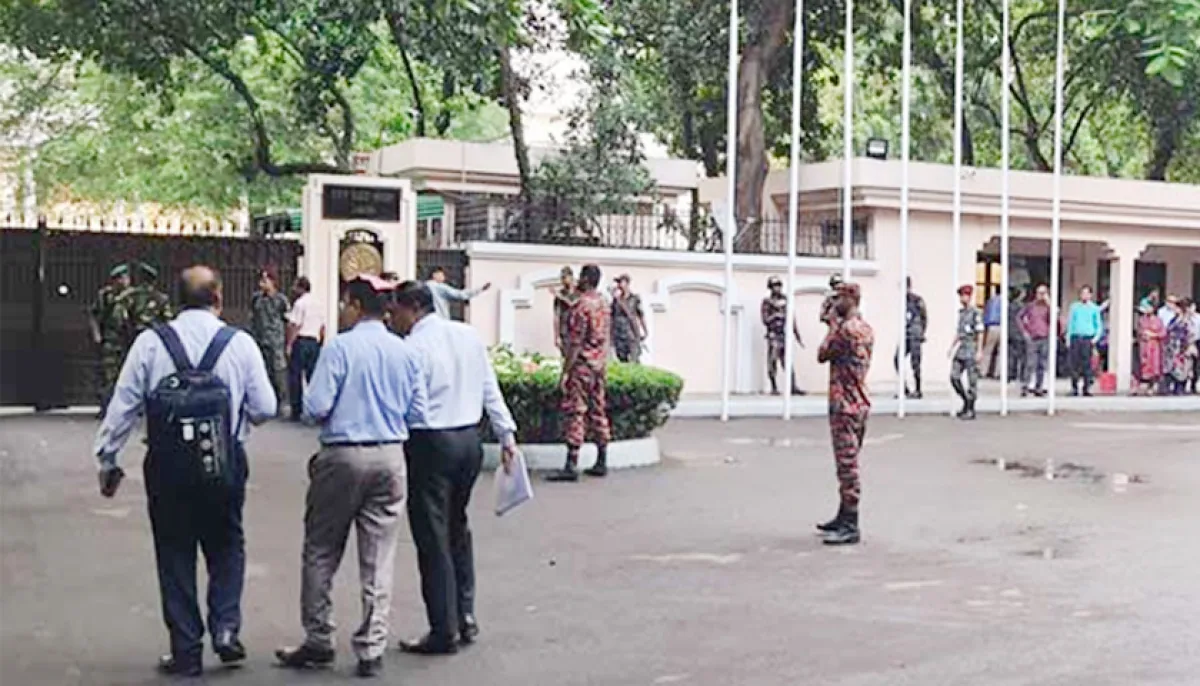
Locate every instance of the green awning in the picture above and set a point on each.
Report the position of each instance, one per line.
(430, 206)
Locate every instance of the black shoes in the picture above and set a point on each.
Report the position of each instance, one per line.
(369, 668)
(304, 657)
(566, 474)
(834, 523)
(600, 469)
(228, 648)
(468, 630)
(167, 664)
(429, 645)
(845, 532)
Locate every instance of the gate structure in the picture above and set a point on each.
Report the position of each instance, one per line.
(49, 278)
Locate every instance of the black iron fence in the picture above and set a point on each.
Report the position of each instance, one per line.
(50, 277)
(818, 234)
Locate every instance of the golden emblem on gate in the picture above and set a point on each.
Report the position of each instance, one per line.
(360, 258)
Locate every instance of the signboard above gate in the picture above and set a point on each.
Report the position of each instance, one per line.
(358, 202)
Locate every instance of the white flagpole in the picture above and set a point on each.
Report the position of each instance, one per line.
(731, 217)
(789, 358)
(958, 154)
(1060, 59)
(848, 141)
(905, 121)
(1006, 67)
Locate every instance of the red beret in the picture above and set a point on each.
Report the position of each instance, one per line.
(966, 289)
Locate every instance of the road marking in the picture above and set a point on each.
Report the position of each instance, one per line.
(671, 678)
(1109, 426)
(690, 557)
(886, 438)
(115, 513)
(910, 585)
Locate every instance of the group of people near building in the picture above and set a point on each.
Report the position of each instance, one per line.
(627, 319)
(1168, 337)
(398, 394)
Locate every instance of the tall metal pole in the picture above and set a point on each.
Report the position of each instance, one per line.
(848, 141)
(789, 358)
(958, 152)
(1056, 205)
(731, 218)
(1006, 67)
(905, 154)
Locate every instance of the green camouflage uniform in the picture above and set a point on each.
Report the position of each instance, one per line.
(268, 325)
(140, 308)
(112, 339)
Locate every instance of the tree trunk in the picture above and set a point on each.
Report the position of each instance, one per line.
(767, 37)
(510, 90)
(1168, 130)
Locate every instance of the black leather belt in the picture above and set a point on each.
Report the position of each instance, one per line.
(361, 444)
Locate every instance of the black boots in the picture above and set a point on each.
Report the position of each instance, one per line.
(569, 471)
(968, 411)
(834, 523)
(846, 532)
(600, 469)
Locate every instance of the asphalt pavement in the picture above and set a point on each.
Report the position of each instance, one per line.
(701, 571)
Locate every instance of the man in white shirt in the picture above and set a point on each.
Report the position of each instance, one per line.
(305, 334)
(443, 293)
(183, 515)
(444, 457)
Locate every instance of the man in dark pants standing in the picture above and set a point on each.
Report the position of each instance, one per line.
(916, 321)
(305, 334)
(183, 516)
(444, 456)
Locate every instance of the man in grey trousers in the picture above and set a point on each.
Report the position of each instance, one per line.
(363, 391)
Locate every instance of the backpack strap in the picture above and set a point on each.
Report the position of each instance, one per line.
(174, 346)
(215, 348)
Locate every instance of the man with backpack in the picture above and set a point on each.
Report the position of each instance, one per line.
(199, 382)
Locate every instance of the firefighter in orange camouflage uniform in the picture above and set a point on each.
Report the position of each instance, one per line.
(847, 348)
(584, 376)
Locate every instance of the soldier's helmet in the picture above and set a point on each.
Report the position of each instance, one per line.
(835, 281)
(774, 282)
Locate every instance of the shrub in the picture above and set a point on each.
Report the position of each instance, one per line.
(640, 398)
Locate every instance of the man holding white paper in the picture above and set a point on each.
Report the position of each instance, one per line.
(444, 455)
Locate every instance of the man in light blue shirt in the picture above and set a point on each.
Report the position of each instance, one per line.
(993, 309)
(184, 518)
(444, 458)
(443, 293)
(1085, 326)
(363, 391)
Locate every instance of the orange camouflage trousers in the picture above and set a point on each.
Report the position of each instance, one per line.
(585, 406)
(847, 431)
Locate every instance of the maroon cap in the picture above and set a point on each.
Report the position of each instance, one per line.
(966, 289)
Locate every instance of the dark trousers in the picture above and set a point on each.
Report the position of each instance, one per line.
(305, 352)
(1081, 362)
(912, 347)
(442, 469)
(182, 519)
(1037, 356)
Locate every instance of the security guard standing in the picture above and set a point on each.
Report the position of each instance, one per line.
(444, 457)
(965, 351)
(828, 314)
(143, 306)
(107, 331)
(366, 386)
(183, 516)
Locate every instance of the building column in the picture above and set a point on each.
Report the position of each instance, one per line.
(1123, 300)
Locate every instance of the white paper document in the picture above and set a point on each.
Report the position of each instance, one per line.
(513, 487)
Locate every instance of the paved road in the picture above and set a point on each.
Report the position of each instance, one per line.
(701, 571)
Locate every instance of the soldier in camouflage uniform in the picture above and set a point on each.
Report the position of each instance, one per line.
(774, 319)
(108, 331)
(628, 322)
(142, 306)
(585, 377)
(847, 348)
(564, 298)
(268, 325)
(827, 309)
(965, 350)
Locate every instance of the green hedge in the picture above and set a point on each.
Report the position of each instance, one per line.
(640, 398)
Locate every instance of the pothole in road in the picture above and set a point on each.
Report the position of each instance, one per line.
(1066, 470)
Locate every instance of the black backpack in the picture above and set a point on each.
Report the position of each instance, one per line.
(188, 417)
